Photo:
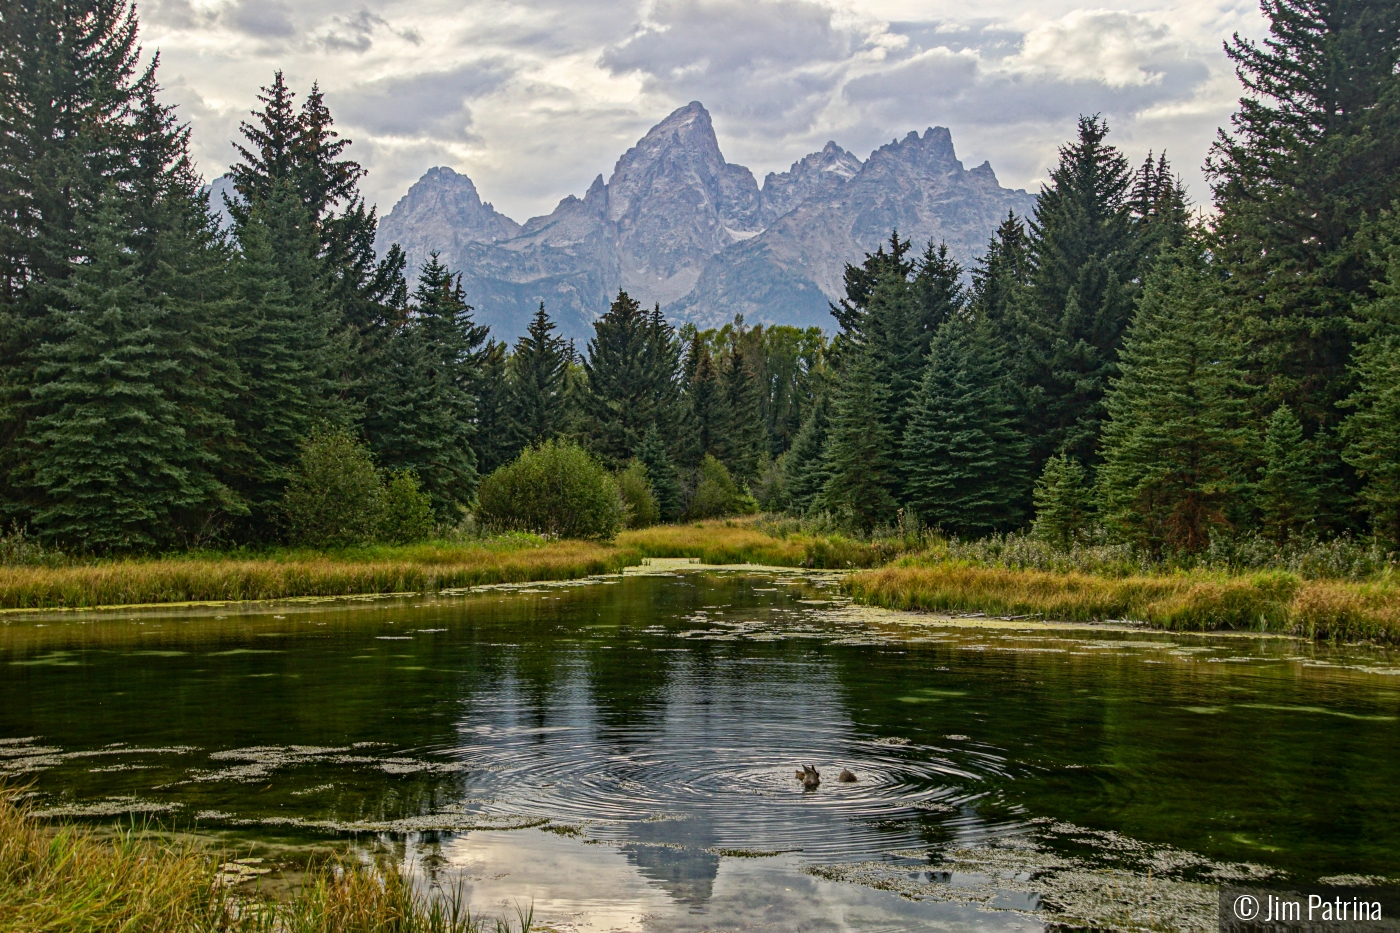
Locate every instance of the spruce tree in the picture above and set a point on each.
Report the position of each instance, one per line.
(1086, 256)
(1175, 448)
(495, 428)
(743, 440)
(1063, 502)
(110, 459)
(421, 413)
(665, 484)
(804, 467)
(964, 453)
(1372, 432)
(1001, 275)
(861, 452)
(539, 369)
(1291, 483)
(633, 367)
(1314, 156)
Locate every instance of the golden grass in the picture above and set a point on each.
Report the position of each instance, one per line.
(199, 578)
(744, 541)
(1275, 601)
(66, 878)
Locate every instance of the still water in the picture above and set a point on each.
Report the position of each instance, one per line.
(620, 752)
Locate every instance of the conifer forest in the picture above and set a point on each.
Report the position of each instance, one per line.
(1121, 365)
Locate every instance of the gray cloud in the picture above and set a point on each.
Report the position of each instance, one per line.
(433, 104)
(768, 63)
(262, 19)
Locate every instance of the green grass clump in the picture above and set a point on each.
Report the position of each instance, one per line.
(66, 878)
(760, 540)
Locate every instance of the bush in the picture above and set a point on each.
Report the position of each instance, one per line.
(334, 498)
(717, 494)
(634, 485)
(406, 512)
(554, 489)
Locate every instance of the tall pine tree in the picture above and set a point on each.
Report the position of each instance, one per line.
(540, 400)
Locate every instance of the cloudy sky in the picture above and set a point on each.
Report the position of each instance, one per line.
(532, 99)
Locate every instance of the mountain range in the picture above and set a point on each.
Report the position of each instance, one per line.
(676, 224)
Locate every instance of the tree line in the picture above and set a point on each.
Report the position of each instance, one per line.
(1114, 363)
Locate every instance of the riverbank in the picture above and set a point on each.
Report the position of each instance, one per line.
(69, 878)
(1275, 601)
(428, 567)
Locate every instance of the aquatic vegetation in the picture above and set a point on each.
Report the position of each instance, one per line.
(1203, 600)
(69, 878)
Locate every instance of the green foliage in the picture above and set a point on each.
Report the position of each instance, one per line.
(1084, 256)
(540, 403)
(335, 496)
(1291, 484)
(804, 466)
(634, 486)
(1175, 447)
(405, 510)
(964, 454)
(1314, 157)
(861, 455)
(420, 411)
(495, 428)
(1063, 506)
(557, 488)
(1372, 433)
(717, 494)
(744, 442)
(632, 369)
(665, 484)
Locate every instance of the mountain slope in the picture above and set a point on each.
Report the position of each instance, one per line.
(678, 225)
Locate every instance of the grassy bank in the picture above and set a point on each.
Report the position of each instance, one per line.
(290, 573)
(518, 558)
(1203, 600)
(759, 540)
(68, 878)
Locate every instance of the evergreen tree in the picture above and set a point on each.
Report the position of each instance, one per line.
(68, 85)
(665, 484)
(290, 351)
(539, 369)
(495, 428)
(113, 465)
(1372, 432)
(863, 472)
(707, 401)
(1001, 274)
(965, 456)
(804, 466)
(421, 413)
(1175, 448)
(743, 440)
(632, 367)
(1314, 156)
(1290, 487)
(1085, 259)
(1063, 502)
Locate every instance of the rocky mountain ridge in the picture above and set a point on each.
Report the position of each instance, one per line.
(677, 225)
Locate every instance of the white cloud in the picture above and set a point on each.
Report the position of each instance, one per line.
(532, 99)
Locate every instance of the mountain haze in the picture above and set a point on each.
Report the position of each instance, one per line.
(676, 224)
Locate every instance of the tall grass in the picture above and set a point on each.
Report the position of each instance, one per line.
(767, 540)
(291, 573)
(1274, 601)
(68, 879)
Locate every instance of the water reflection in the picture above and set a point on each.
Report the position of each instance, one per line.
(651, 727)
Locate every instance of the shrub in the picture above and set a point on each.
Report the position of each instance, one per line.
(717, 494)
(557, 488)
(334, 497)
(634, 485)
(406, 512)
